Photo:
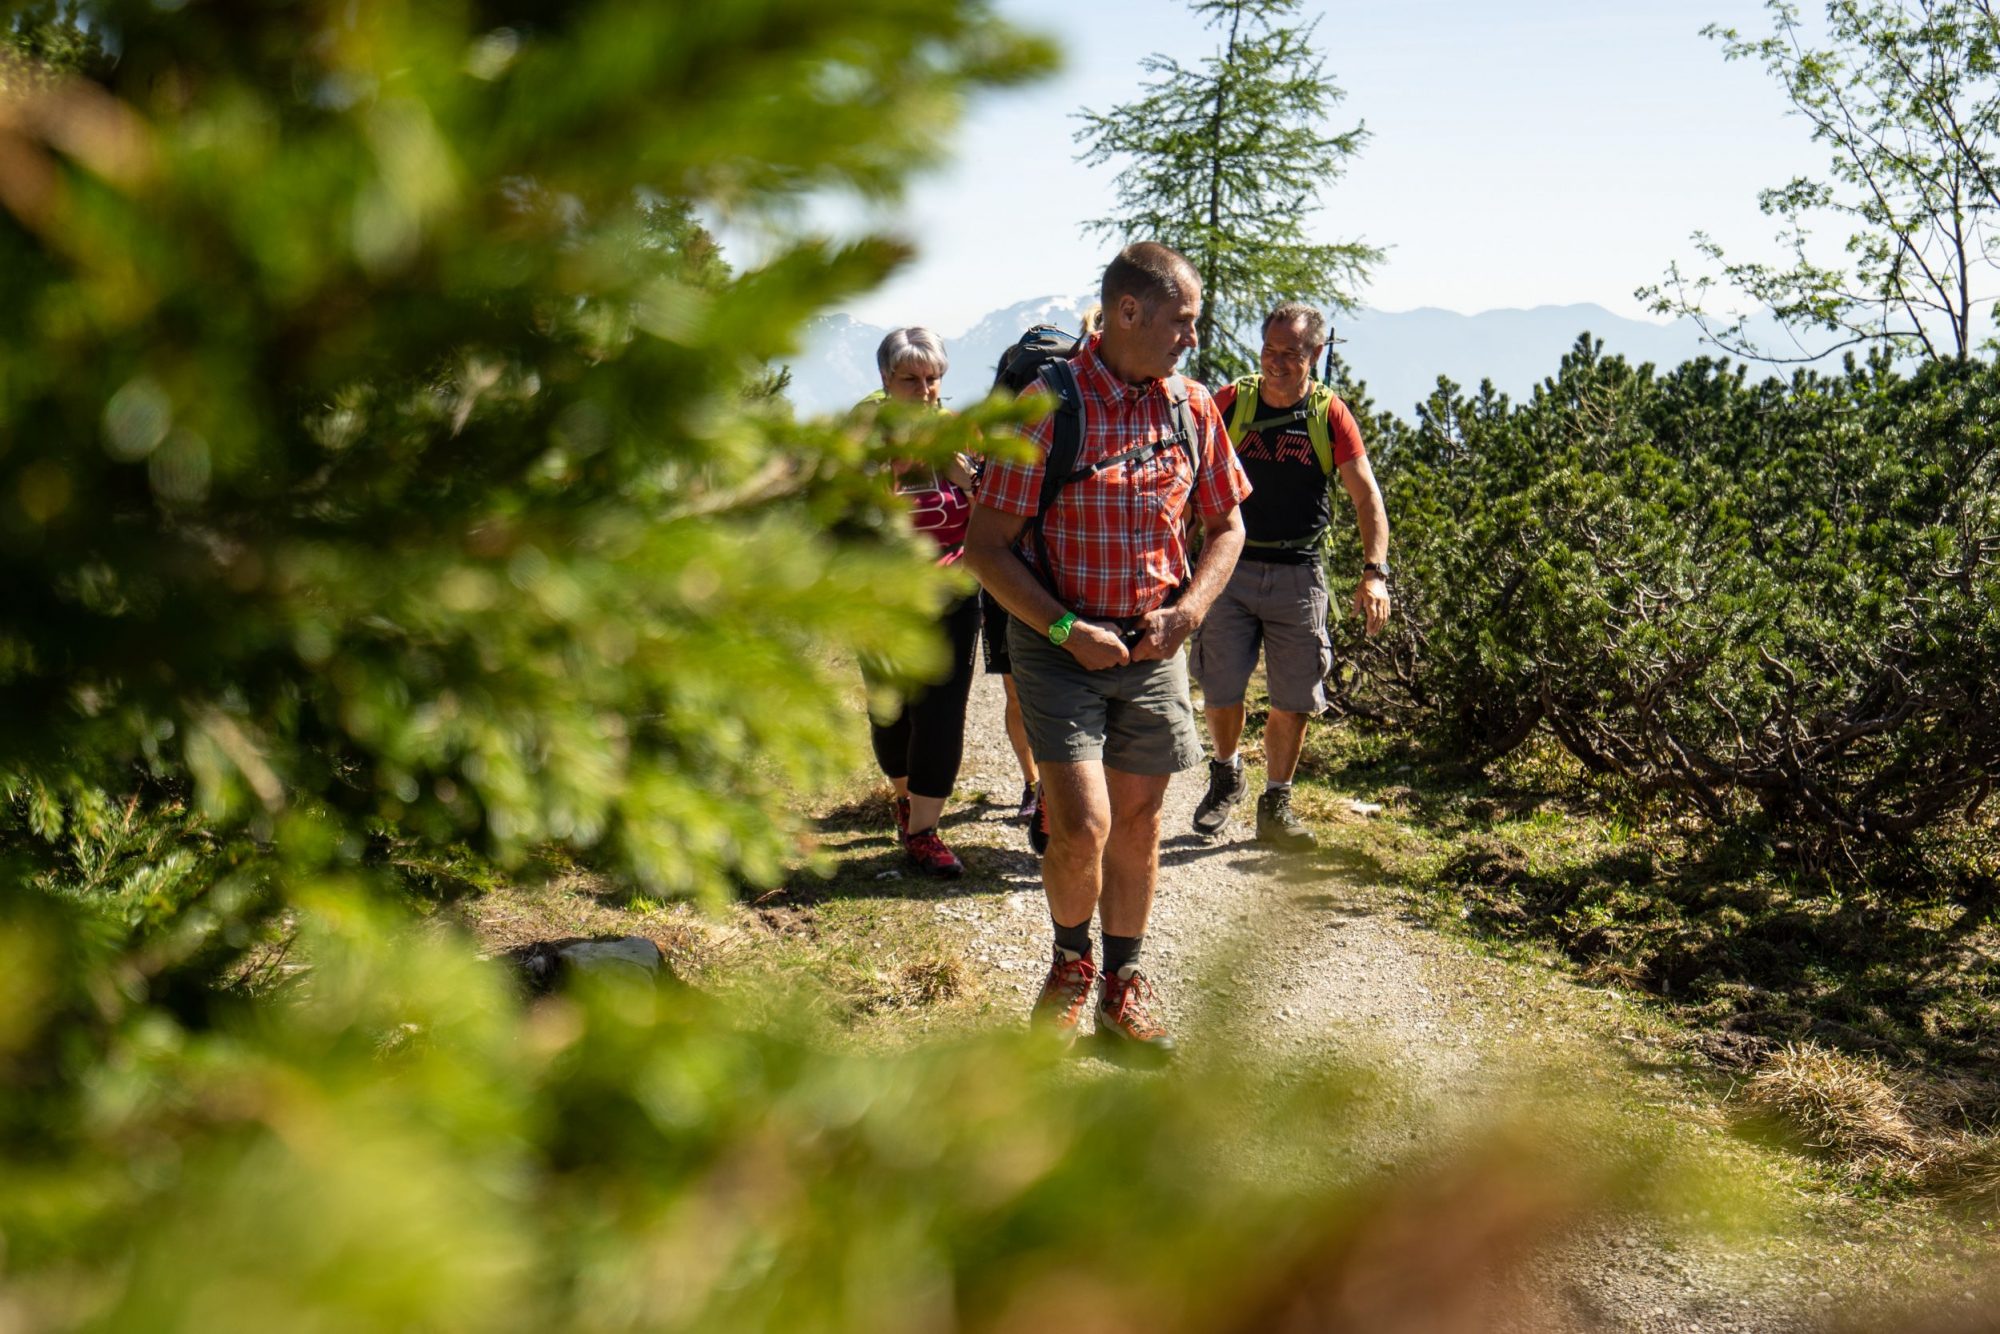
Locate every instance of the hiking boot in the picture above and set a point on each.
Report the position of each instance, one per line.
(1030, 800)
(1126, 1025)
(1038, 824)
(932, 857)
(901, 807)
(1065, 993)
(1225, 789)
(1277, 824)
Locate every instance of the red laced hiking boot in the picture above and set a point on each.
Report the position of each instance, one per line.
(1065, 994)
(1126, 1025)
(932, 857)
(901, 806)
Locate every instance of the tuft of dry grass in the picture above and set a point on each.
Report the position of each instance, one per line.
(929, 980)
(1968, 1174)
(1842, 1105)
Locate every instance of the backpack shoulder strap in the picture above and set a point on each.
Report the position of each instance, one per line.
(1183, 418)
(1058, 465)
(1245, 407)
(1320, 404)
(1066, 443)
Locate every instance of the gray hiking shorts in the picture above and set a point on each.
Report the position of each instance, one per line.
(1281, 608)
(1137, 719)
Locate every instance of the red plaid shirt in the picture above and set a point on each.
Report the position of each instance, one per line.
(1115, 539)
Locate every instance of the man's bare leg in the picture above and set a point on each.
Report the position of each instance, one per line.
(1132, 853)
(1225, 729)
(1079, 811)
(1284, 738)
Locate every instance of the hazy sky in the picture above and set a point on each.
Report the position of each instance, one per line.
(1524, 153)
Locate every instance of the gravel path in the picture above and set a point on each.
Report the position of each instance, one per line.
(1337, 969)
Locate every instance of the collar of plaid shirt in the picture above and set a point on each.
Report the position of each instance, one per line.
(1098, 381)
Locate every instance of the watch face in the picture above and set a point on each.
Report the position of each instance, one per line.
(1058, 634)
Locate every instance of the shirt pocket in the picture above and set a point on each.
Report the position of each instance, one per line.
(1161, 485)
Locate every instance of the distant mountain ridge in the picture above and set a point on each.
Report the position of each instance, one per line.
(1399, 355)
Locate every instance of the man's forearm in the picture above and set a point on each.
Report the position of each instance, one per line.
(1372, 518)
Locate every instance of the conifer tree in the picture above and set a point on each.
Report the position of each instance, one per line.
(389, 463)
(1228, 161)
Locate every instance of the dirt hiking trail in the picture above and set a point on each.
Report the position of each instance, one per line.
(1301, 957)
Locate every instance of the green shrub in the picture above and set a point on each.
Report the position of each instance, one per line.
(1770, 602)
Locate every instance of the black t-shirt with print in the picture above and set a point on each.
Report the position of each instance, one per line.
(1291, 498)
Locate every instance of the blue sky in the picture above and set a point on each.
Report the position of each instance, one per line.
(1527, 153)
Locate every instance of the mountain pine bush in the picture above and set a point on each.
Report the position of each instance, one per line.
(1770, 601)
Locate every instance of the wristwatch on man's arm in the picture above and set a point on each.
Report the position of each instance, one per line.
(1378, 568)
(1059, 630)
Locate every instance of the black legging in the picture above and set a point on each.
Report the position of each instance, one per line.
(927, 739)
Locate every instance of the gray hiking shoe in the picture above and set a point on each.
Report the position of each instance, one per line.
(1225, 789)
(1277, 824)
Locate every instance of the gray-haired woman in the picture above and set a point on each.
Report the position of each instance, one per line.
(920, 749)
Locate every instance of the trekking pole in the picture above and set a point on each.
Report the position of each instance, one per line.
(1326, 377)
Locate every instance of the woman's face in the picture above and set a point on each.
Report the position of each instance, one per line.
(914, 382)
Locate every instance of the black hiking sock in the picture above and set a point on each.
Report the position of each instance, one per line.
(1120, 951)
(1073, 939)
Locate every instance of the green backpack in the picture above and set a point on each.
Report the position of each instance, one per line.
(1318, 399)
(1313, 410)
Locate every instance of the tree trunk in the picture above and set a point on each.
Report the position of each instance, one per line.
(1204, 357)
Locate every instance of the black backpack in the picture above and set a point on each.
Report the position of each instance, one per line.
(1022, 363)
(1042, 354)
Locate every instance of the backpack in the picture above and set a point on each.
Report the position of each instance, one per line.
(1021, 363)
(1313, 412)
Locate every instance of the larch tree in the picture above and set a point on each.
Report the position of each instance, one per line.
(1228, 161)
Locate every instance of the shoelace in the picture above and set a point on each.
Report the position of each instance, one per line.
(1073, 979)
(1130, 1008)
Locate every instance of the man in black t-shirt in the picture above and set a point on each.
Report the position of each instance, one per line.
(1294, 437)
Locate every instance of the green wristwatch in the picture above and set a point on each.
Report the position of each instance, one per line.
(1059, 632)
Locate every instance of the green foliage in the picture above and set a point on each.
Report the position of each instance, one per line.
(387, 454)
(395, 1143)
(1905, 94)
(1227, 162)
(1771, 601)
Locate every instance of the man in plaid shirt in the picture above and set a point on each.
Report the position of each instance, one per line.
(1096, 637)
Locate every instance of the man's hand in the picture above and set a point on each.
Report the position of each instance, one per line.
(1162, 633)
(1096, 646)
(1371, 601)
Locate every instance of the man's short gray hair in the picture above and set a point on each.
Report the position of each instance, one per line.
(915, 343)
(1292, 312)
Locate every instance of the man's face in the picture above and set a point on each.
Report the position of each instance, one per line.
(914, 382)
(1165, 332)
(1287, 362)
